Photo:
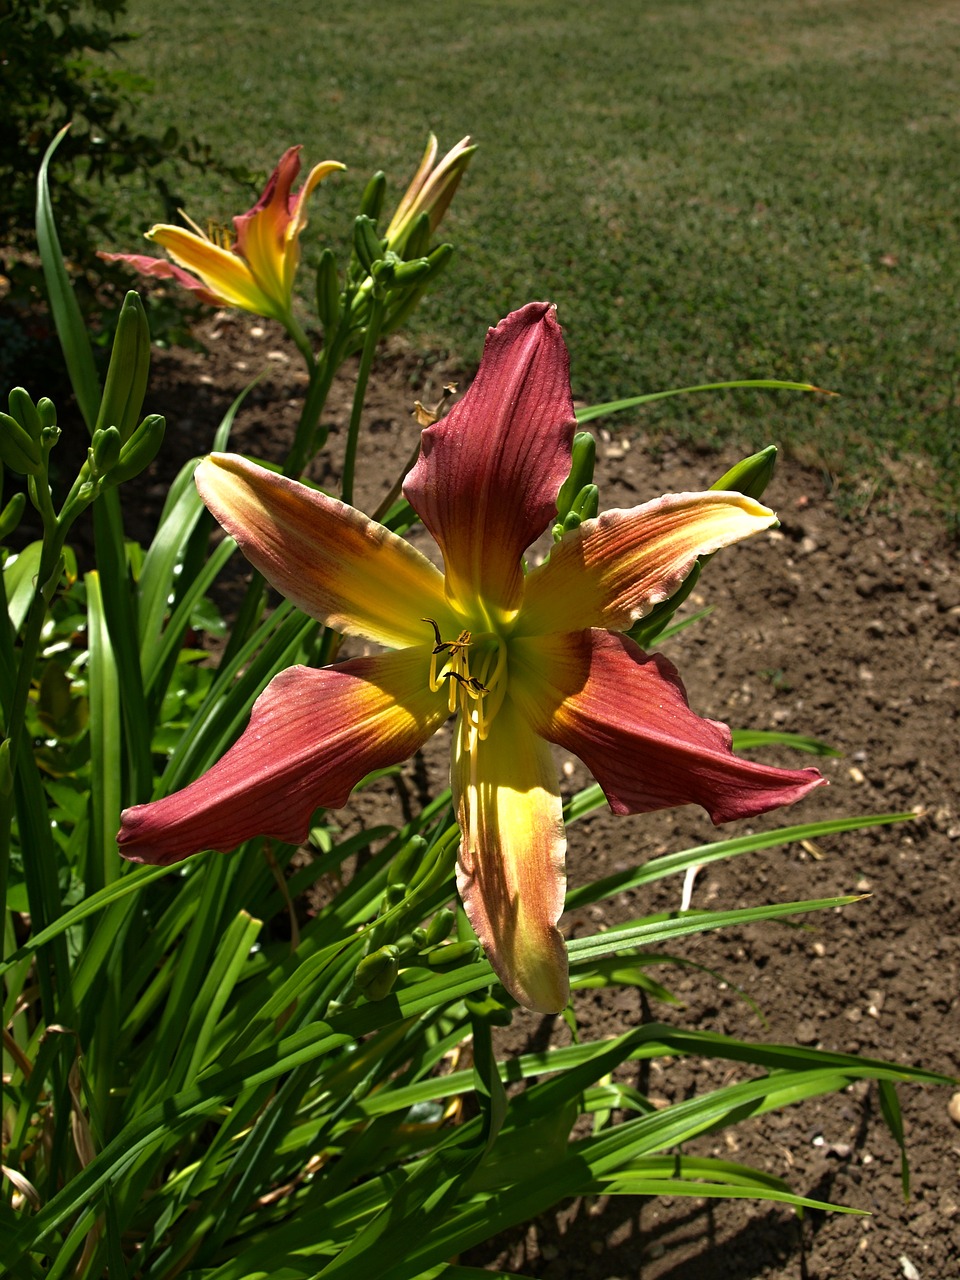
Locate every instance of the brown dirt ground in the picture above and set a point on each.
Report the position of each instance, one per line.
(850, 632)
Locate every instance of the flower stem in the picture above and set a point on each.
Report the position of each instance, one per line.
(370, 341)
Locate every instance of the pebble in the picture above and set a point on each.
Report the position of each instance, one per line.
(889, 965)
(953, 1108)
(910, 1272)
(806, 1032)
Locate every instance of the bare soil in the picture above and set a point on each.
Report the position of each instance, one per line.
(850, 632)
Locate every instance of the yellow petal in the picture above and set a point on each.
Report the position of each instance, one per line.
(510, 872)
(223, 272)
(613, 570)
(331, 560)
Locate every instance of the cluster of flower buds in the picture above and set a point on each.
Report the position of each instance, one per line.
(122, 446)
(579, 497)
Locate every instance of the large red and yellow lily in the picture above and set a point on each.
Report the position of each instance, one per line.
(252, 268)
(523, 660)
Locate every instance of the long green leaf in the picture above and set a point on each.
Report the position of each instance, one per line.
(761, 384)
(67, 317)
(700, 855)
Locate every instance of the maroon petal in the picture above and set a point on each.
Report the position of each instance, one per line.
(488, 475)
(312, 736)
(160, 269)
(626, 715)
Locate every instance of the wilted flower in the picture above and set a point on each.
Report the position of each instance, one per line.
(524, 660)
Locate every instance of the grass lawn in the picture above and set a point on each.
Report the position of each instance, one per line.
(758, 188)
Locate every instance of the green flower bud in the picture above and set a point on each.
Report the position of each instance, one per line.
(11, 515)
(413, 272)
(49, 437)
(751, 476)
(25, 412)
(371, 202)
(129, 367)
(406, 860)
(450, 954)
(105, 450)
(18, 450)
(377, 972)
(138, 452)
(366, 242)
(328, 291)
(440, 927)
(418, 240)
(582, 461)
(47, 411)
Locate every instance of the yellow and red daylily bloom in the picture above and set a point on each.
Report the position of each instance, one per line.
(252, 268)
(431, 189)
(524, 660)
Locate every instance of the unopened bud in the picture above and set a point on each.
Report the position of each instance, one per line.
(418, 240)
(47, 411)
(129, 368)
(105, 450)
(12, 514)
(366, 242)
(377, 972)
(406, 860)
(750, 476)
(440, 927)
(25, 412)
(452, 953)
(18, 450)
(583, 458)
(328, 290)
(371, 202)
(138, 452)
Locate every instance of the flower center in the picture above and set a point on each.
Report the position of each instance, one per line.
(475, 669)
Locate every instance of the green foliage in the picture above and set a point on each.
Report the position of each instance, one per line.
(202, 1075)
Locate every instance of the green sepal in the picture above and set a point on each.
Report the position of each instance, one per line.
(371, 202)
(750, 476)
(376, 973)
(18, 450)
(12, 514)
(328, 290)
(139, 451)
(26, 413)
(122, 400)
(366, 242)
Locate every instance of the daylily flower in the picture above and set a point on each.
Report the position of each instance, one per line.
(431, 189)
(252, 269)
(523, 660)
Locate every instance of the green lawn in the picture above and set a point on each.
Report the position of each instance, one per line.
(708, 190)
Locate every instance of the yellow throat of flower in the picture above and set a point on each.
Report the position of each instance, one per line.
(475, 670)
